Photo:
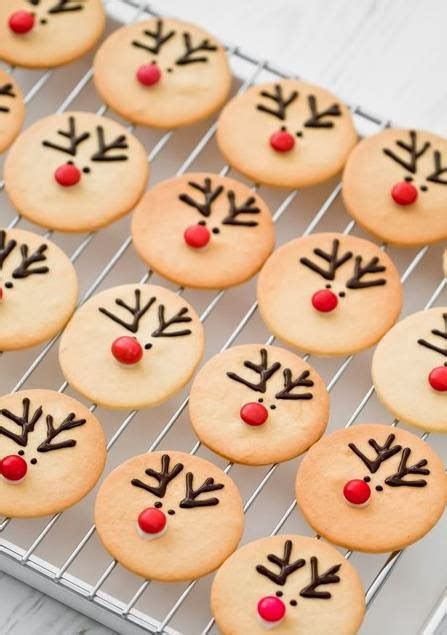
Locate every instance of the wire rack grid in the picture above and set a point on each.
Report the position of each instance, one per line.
(61, 555)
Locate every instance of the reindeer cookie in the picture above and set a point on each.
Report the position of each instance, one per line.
(38, 289)
(395, 186)
(131, 346)
(290, 584)
(42, 33)
(162, 73)
(75, 172)
(169, 516)
(329, 294)
(52, 452)
(203, 230)
(372, 488)
(288, 134)
(258, 404)
(409, 370)
(12, 110)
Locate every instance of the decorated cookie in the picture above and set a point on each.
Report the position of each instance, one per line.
(410, 370)
(42, 33)
(258, 404)
(395, 186)
(290, 584)
(131, 346)
(38, 289)
(372, 488)
(203, 230)
(52, 452)
(75, 172)
(169, 516)
(162, 73)
(329, 294)
(12, 110)
(288, 134)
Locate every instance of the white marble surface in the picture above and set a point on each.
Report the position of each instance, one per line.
(388, 55)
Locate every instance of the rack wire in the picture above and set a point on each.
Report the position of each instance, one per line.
(22, 558)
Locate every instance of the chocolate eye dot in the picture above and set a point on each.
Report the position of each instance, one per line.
(299, 134)
(171, 512)
(293, 602)
(273, 407)
(33, 461)
(202, 222)
(70, 163)
(260, 399)
(21, 452)
(279, 594)
(379, 488)
(328, 286)
(216, 230)
(169, 70)
(148, 346)
(408, 178)
(283, 128)
(158, 504)
(367, 479)
(43, 21)
(86, 170)
(424, 188)
(9, 285)
(342, 294)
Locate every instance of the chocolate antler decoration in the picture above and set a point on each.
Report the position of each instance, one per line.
(318, 119)
(332, 259)
(163, 478)
(137, 311)
(192, 494)
(67, 424)
(281, 103)
(5, 247)
(119, 143)
(209, 194)
(23, 270)
(384, 452)
(6, 91)
(24, 422)
(328, 577)
(263, 370)
(64, 6)
(73, 138)
(290, 384)
(435, 177)
(188, 55)
(158, 36)
(396, 480)
(438, 333)
(179, 318)
(285, 566)
(355, 282)
(413, 151)
(244, 208)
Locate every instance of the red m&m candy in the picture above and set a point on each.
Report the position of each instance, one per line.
(21, 22)
(127, 350)
(404, 193)
(13, 468)
(324, 301)
(357, 492)
(282, 141)
(254, 414)
(197, 236)
(67, 175)
(438, 378)
(151, 522)
(149, 74)
(271, 610)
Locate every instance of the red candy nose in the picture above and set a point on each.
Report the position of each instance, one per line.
(271, 609)
(149, 74)
(152, 521)
(197, 236)
(438, 378)
(21, 22)
(13, 468)
(282, 141)
(127, 350)
(1, 293)
(255, 414)
(404, 193)
(357, 492)
(67, 175)
(324, 300)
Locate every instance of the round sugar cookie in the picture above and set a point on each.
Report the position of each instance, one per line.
(203, 230)
(52, 452)
(258, 404)
(12, 110)
(169, 516)
(329, 294)
(360, 488)
(75, 172)
(131, 346)
(162, 73)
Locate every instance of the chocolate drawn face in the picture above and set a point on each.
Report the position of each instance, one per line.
(28, 265)
(39, 12)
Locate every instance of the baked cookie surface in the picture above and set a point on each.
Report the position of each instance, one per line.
(75, 172)
(291, 584)
(52, 452)
(288, 134)
(12, 110)
(42, 33)
(169, 515)
(359, 488)
(162, 73)
(329, 294)
(395, 186)
(203, 230)
(258, 404)
(131, 346)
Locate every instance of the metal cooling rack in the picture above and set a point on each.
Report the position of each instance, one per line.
(61, 555)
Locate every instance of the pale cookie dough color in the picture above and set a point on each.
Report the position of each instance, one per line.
(409, 370)
(131, 346)
(162, 73)
(169, 516)
(12, 110)
(75, 172)
(42, 33)
(395, 186)
(203, 230)
(290, 584)
(52, 452)
(288, 134)
(329, 294)
(258, 404)
(372, 488)
(38, 289)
